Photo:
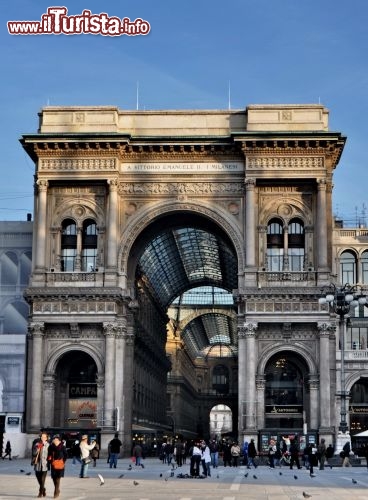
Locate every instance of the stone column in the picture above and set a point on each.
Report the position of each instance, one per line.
(49, 381)
(127, 403)
(78, 257)
(241, 381)
(109, 331)
(260, 385)
(100, 399)
(112, 225)
(36, 331)
(313, 403)
(285, 263)
(119, 370)
(250, 225)
(325, 330)
(321, 223)
(250, 377)
(39, 251)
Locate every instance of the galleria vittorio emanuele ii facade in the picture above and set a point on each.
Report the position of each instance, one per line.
(179, 262)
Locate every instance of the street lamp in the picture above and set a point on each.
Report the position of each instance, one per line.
(340, 300)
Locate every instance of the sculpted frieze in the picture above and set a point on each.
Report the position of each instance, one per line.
(175, 188)
(77, 164)
(74, 307)
(284, 162)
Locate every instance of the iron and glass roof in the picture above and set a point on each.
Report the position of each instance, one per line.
(192, 266)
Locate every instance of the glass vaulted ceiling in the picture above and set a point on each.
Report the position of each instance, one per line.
(188, 259)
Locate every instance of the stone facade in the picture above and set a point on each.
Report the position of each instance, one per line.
(262, 177)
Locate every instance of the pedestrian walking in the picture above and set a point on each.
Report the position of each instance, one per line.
(252, 453)
(214, 449)
(114, 449)
(294, 454)
(235, 454)
(345, 454)
(195, 454)
(206, 459)
(271, 453)
(138, 454)
(321, 454)
(7, 450)
(76, 452)
(40, 455)
(95, 454)
(311, 451)
(57, 458)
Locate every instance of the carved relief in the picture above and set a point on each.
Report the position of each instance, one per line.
(77, 164)
(174, 188)
(284, 162)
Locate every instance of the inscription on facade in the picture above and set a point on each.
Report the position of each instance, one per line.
(219, 168)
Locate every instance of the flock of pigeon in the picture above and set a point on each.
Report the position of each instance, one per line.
(186, 476)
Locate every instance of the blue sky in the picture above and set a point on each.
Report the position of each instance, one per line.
(272, 51)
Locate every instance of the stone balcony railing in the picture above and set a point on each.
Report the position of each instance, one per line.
(285, 278)
(353, 355)
(77, 278)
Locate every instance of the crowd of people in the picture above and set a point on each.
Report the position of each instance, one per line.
(50, 454)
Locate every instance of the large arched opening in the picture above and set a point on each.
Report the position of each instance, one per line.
(185, 270)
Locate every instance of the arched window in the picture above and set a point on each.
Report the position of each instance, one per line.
(296, 245)
(365, 267)
(89, 246)
(68, 245)
(9, 269)
(348, 267)
(284, 391)
(275, 245)
(220, 379)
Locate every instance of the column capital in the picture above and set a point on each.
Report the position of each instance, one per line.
(321, 184)
(326, 328)
(113, 183)
(260, 383)
(36, 329)
(313, 383)
(247, 330)
(49, 381)
(42, 184)
(249, 184)
(110, 329)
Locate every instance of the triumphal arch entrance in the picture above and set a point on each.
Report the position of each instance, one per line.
(178, 261)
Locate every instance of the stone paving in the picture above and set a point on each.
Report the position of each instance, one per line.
(156, 481)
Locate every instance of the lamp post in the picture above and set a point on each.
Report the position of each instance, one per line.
(340, 300)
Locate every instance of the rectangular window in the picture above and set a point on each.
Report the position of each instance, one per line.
(275, 259)
(296, 259)
(67, 262)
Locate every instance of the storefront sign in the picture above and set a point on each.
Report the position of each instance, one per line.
(283, 409)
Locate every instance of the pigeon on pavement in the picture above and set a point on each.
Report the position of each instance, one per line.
(102, 481)
(306, 495)
(135, 483)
